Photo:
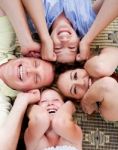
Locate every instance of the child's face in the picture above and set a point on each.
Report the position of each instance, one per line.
(74, 83)
(51, 100)
(65, 43)
(27, 73)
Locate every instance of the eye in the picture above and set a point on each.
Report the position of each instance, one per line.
(75, 76)
(75, 90)
(72, 47)
(43, 101)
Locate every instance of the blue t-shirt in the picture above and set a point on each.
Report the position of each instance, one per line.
(78, 12)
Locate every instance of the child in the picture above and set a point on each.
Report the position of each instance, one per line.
(50, 124)
(94, 84)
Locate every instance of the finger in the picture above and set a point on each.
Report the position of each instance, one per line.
(54, 58)
(78, 58)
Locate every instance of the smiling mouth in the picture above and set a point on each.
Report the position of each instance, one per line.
(64, 32)
(50, 111)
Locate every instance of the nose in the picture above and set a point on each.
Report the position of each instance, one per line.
(80, 82)
(64, 36)
(50, 103)
(31, 70)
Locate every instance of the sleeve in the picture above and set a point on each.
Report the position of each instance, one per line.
(87, 16)
(7, 40)
(5, 107)
(83, 14)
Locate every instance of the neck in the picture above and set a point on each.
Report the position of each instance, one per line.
(61, 20)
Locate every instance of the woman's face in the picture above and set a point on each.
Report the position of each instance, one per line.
(74, 83)
(27, 73)
(51, 100)
(65, 41)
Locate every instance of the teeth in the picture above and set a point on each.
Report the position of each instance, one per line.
(21, 72)
(52, 110)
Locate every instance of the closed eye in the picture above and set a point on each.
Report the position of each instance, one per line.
(75, 90)
(43, 101)
(72, 48)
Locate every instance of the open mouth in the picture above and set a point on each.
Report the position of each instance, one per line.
(51, 111)
(64, 32)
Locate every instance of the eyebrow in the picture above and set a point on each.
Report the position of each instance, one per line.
(71, 89)
(71, 75)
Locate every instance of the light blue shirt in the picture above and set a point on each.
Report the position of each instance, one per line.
(78, 12)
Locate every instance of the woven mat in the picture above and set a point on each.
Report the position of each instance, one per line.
(98, 134)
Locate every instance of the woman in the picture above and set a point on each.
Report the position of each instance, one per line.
(94, 84)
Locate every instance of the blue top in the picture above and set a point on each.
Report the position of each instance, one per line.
(78, 12)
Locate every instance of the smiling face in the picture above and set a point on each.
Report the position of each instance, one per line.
(65, 40)
(27, 73)
(51, 100)
(74, 83)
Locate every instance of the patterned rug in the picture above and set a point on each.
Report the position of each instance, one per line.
(98, 134)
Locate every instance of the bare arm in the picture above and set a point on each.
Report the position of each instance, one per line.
(16, 15)
(64, 126)
(38, 124)
(13, 123)
(104, 91)
(105, 15)
(36, 11)
(103, 64)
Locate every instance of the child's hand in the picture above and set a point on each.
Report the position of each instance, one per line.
(47, 50)
(30, 97)
(84, 51)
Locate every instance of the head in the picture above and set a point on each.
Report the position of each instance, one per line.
(51, 100)
(27, 73)
(65, 40)
(74, 83)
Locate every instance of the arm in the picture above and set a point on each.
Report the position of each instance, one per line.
(36, 11)
(16, 14)
(65, 127)
(103, 18)
(105, 91)
(103, 64)
(14, 120)
(38, 124)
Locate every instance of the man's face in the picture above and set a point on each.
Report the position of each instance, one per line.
(27, 73)
(74, 83)
(65, 43)
(51, 101)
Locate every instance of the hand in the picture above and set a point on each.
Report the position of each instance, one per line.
(34, 54)
(31, 49)
(30, 97)
(47, 50)
(88, 108)
(84, 51)
(66, 110)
